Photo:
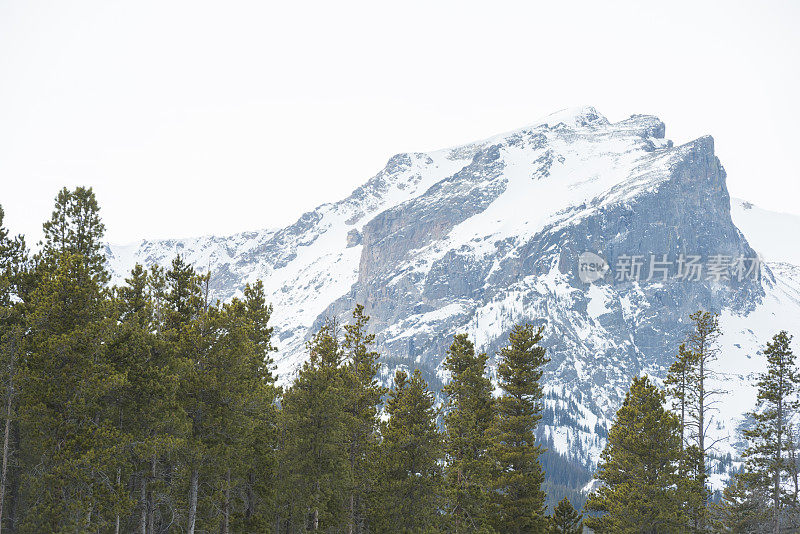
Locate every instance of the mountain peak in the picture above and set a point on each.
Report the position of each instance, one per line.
(575, 117)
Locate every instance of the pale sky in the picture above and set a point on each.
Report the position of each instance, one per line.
(192, 118)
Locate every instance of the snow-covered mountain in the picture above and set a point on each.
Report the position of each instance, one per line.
(478, 237)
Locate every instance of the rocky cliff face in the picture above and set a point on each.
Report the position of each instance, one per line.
(479, 237)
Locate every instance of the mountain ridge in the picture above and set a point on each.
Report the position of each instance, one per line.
(479, 236)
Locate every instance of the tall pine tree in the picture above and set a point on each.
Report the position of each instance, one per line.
(700, 353)
(770, 439)
(146, 407)
(469, 412)
(691, 463)
(361, 374)
(638, 468)
(257, 489)
(407, 496)
(315, 463)
(518, 500)
(13, 259)
(73, 450)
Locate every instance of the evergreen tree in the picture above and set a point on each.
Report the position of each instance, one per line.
(519, 502)
(702, 351)
(565, 519)
(13, 263)
(72, 449)
(147, 408)
(75, 227)
(361, 374)
(183, 297)
(469, 411)
(13, 258)
(744, 507)
(407, 493)
(691, 463)
(188, 334)
(257, 489)
(677, 385)
(314, 426)
(638, 468)
(702, 343)
(236, 391)
(770, 440)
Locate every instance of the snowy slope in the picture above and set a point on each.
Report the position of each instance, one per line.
(775, 236)
(478, 237)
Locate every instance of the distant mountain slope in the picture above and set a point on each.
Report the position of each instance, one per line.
(775, 236)
(478, 237)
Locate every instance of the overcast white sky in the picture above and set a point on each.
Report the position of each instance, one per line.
(192, 117)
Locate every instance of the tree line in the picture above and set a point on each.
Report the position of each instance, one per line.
(654, 471)
(151, 408)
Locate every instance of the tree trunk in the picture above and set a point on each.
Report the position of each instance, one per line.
(5, 458)
(457, 511)
(776, 497)
(251, 498)
(151, 506)
(226, 505)
(351, 520)
(6, 436)
(143, 502)
(793, 459)
(193, 500)
(701, 430)
(116, 519)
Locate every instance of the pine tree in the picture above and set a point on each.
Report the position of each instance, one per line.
(13, 263)
(314, 432)
(565, 519)
(13, 259)
(469, 411)
(148, 410)
(677, 384)
(770, 440)
(187, 333)
(183, 299)
(257, 488)
(361, 374)
(519, 502)
(744, 507)
(407, 493)
(236, 390)
(691, 463)
(701, 353)
(638, 467)
(72, 448)
(75, 227)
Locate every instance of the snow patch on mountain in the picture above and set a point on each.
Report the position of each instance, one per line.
(775, 236)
